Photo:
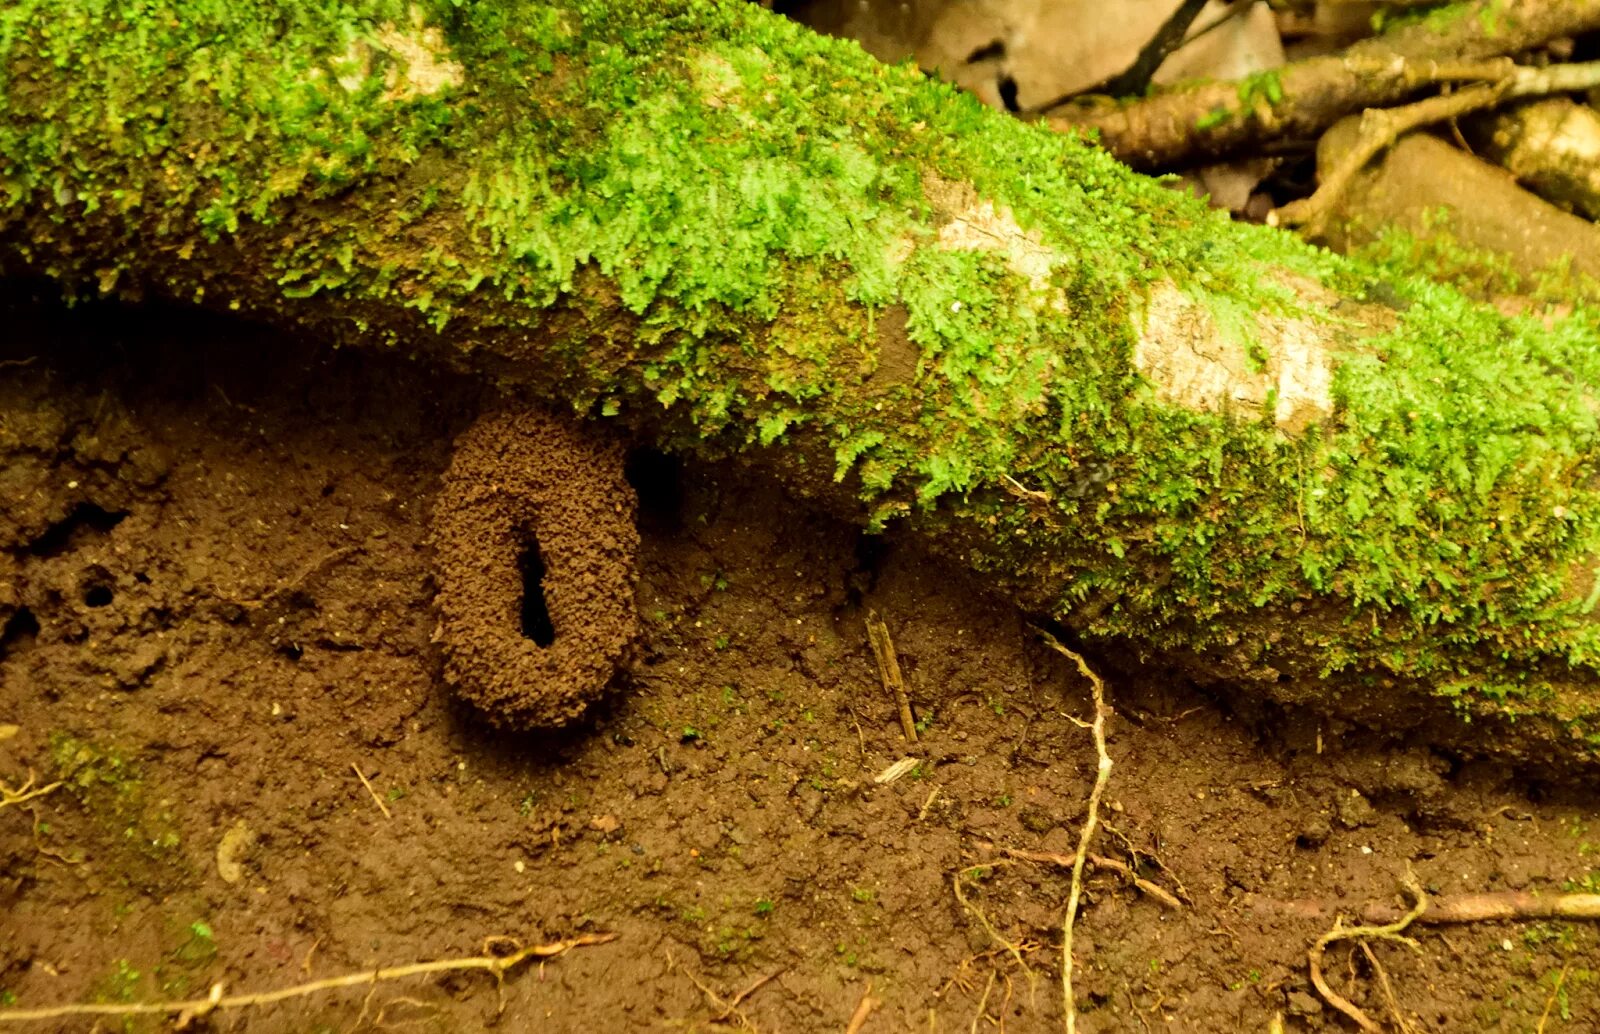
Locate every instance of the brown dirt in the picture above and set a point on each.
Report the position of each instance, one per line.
(534, 499)
(216, 598)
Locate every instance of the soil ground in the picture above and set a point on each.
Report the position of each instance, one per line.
(216, 595)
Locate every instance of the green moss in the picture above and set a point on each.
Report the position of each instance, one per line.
(113, 791)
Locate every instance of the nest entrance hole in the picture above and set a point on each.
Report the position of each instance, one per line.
(536, 623)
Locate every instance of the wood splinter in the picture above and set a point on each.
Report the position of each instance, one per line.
(889, 671)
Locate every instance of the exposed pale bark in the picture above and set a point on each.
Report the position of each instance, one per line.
(1325, 482)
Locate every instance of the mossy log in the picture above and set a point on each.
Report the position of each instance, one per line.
(1326, 482)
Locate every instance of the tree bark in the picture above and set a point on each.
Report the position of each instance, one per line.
(1329, 483)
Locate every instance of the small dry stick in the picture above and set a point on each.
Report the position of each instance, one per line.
(858, 1019)
(25, 792)
(375, 798)
(1097, 728)
(195, 1008)
(889, 671)
(1388, 932)
(1555, 992)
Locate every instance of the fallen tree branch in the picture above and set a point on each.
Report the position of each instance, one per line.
(187, 1011)
(1301, 99)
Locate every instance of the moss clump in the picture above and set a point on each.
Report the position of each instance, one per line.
(141, 832)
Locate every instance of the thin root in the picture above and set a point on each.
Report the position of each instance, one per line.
(195, 1008)
(1014, 950)
(1097, 728)
(858, 1019)
(1389, 932)
(25, 792)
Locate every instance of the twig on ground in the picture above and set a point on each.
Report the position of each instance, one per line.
(1135, 853)
(189, 1010)
(375, 798)
(1388, 932)
(858, 1019)
(25, 792)
(1555, 992)
(889, 672)
(1097, 728)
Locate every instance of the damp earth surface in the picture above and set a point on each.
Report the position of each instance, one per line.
(219, 566)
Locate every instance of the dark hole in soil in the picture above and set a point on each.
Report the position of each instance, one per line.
(84, 518)
(871, 552)
(536, 623)
(658, 480)
(21, 625)
(97, 595)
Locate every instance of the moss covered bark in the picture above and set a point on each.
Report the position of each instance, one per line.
(1334, 482)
